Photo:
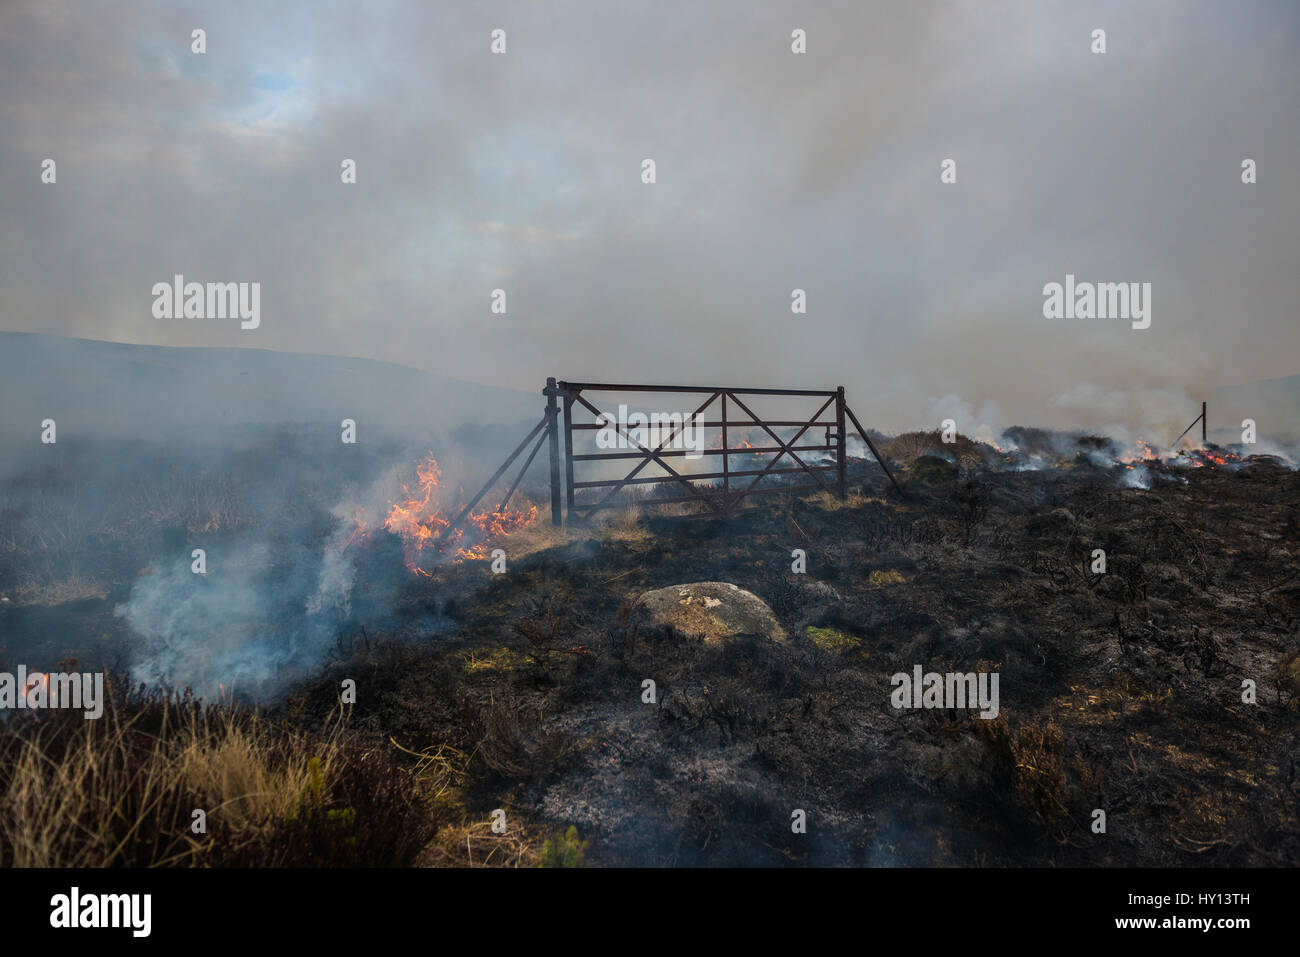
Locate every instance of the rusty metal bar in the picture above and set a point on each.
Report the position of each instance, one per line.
(726, 460)
(568, 449)
(871, 445)
(607, 387)
(520, 477)
(786, 447)
(841, 445)
(1201, 419)
(755, 450)
(664, 479)
(687, 498)
(552, 409)
(595, 426)
(456, 523)
(649, 454)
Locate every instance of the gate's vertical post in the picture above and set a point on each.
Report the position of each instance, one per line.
(726, 459)
(553, 441)
(841, 445)
(1202, 425)
(568, 453)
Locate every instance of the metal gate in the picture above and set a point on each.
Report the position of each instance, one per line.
(719, 490)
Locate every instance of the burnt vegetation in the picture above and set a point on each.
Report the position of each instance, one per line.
(1120, 691)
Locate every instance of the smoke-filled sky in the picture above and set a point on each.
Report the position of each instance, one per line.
(775, 171)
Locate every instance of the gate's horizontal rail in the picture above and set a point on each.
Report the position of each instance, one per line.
(730, 423)
(652, 479)
(597, 506)
(733, 451)
(608, 387)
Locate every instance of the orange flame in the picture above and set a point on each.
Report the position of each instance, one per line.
(733, 442)
(419, 521)
(1146, 453)
(1195, 458)
(419, 518)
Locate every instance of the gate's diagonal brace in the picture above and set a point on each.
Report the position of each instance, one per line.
(785, 449)
(541, 440)
(649, 455)
(871, 445)
(456, 523)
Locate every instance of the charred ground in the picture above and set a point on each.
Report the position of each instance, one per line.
(523, 691)
(1120, 691)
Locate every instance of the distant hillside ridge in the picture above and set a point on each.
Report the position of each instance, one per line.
(108, 389)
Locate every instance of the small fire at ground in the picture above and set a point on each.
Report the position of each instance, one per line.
(1209, 457)
(424, 527)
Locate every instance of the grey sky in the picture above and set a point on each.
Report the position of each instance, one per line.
(775, 171)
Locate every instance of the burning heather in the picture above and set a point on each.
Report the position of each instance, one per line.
(426, 528)
(1029, 449)
(260, 609)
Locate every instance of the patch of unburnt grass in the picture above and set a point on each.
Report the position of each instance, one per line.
(126, 789)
